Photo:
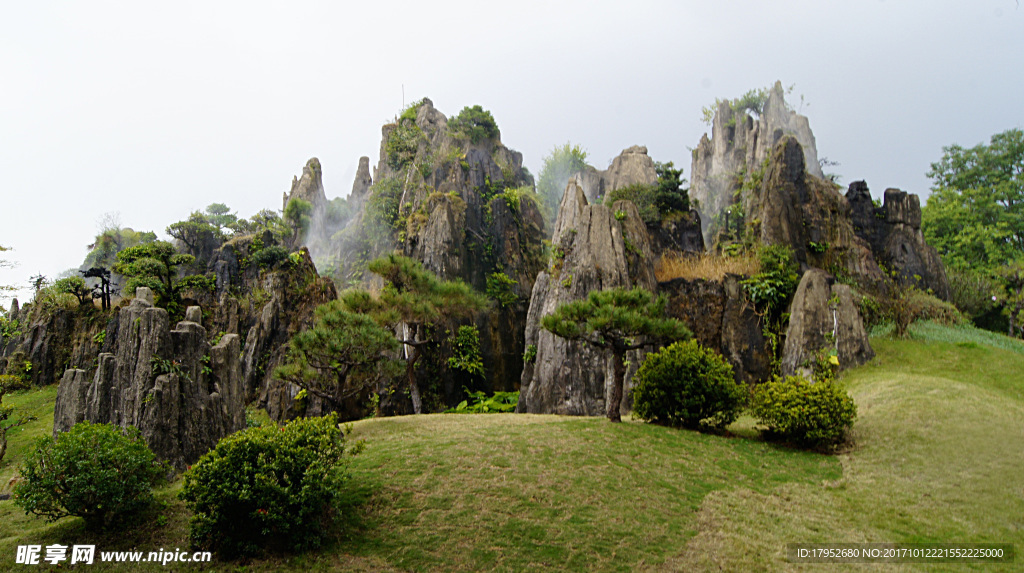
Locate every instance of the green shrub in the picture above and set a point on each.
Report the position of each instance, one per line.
(481, 403)
(642, 195)
(771, 288)
(269, 257)
(267, 487)
(804, 412)
(476, 123)
(687, 385)
(99, 472)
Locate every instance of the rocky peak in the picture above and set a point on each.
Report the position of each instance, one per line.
(630, 167)
(594, 250)
(363, 181)
(309, 187)
(740, 144)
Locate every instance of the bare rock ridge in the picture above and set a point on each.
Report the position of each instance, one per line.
(894, 233)
(182, 394)
(738, 144)
(596, 252)
(824, 316)
(363, 181)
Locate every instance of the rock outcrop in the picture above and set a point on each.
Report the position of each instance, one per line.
(363, 181)
(894, 233)
(594, 251)
(182, 394)
(824, 315)
(720, 317)
(630, 167)
(449, 200)
(738, 145)
(808, 214)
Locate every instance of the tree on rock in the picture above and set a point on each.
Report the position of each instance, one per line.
(155, 265)
(616, 320)
(341, 356)
(415, 302)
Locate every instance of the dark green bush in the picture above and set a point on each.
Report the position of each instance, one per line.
(687, 385)
(267, 487)
(804, 412)
(269, 257)
(476, 123)
(99, 472)
(642, 195)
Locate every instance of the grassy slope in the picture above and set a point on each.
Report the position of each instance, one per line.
(936, 458)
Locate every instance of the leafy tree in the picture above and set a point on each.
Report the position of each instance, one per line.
(297, 214)
(155, 265)
(102, 289)
(74, 286)
(111, 239)
(561, 164)
(417, 303)
(219, 215)
(1012, 294)
(341, 356)
(670, 196)
(975, 214)
(196, 233)
(264, 220)
(617, 321)
(476, 123)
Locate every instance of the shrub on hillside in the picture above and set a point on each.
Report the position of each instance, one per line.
(99, 472)
(687, 385)
(267, 486)
(807, 413)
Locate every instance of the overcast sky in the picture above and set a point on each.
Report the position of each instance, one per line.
(154, 109)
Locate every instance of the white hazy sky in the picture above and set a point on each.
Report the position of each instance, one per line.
(156, 109)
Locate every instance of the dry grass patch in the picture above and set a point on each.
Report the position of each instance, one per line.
(709, 267)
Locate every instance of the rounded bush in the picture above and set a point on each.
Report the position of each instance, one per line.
(99, 472)
(268, 257)
(807, 413)
(689, 386)
(266, 487)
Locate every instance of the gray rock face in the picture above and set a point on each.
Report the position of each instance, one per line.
(810, 216)
(739, 143)
(630, 167)
(680, 233)
(600, 253)
(363, 181)
(720, 317)
(182, 394)
(825, 315)
(309, 187)
(894, 233)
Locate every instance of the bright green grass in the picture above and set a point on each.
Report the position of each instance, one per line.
(936, 457)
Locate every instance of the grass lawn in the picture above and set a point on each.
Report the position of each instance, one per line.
(936, 457)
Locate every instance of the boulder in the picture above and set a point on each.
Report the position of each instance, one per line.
(824, 315)
(183, 395)
(594, 251)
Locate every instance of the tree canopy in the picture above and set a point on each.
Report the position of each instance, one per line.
(340, 357)
(975, 214)
(415, 301)
(561, 164)
(616, 320)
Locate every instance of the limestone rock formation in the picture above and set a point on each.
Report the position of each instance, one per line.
(363, 181)
(309, 187)
(824, 315)
(720, 317)
(894, 233)
(809, 215)
(594, 251)
(182, 394)
(630, 167)
(739, 144)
